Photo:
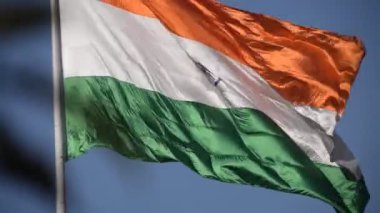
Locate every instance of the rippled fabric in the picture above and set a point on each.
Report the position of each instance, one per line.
(237, 145)
(141, 51)
(307, 66)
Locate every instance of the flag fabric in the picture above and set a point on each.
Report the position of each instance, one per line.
(235, 96)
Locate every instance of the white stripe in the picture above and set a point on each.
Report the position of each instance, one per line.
(101, 40)
(326, 119)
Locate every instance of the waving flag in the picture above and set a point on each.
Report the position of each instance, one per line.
(235, 96)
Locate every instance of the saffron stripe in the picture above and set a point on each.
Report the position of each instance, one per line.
(306, 66)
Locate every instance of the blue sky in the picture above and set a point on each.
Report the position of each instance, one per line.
(103, 181)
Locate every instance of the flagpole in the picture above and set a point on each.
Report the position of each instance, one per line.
(57, 104)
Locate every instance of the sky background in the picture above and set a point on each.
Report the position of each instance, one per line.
(103, 181)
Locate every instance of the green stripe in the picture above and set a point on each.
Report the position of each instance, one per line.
(237, 145)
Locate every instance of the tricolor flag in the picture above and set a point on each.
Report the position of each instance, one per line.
(235, 96)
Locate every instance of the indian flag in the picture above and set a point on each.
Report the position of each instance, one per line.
(235, 96)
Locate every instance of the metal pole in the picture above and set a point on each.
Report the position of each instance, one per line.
(57, 104)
